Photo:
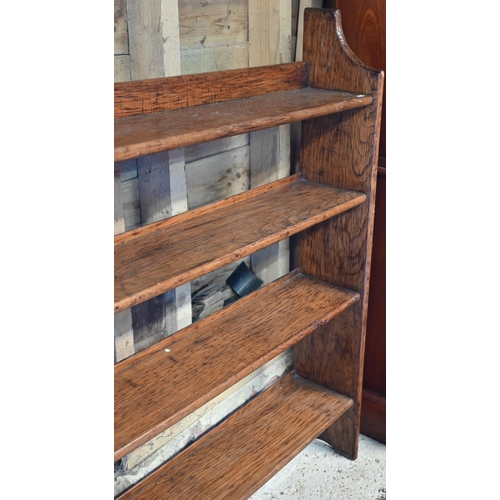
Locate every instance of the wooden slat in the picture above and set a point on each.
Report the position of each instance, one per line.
(153, 32)
(236, 458)
(216, 177)
(206, 149)
(122, 68)
(269, 33)
(153, 29)
(124, 336)
(269, 43)
(131, 204)
(147, 134)
(178, 250)
(121, 28)
(217, 58)
(215, 22)
(157, 388)
(303, 4)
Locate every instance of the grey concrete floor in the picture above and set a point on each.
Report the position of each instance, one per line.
(318, 473)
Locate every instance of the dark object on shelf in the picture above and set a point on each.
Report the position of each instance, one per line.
(210, 299)
(243, 281)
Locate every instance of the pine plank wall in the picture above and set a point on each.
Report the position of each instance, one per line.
(155, 38)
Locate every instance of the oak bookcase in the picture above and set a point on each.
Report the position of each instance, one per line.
(320, 307)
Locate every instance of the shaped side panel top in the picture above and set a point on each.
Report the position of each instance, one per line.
(334, 66)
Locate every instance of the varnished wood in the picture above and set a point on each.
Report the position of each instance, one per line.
(373, 415)
(339, 150)
(203, 324)
(375, 354)
(152, 133)
(158, 388)
(178, 250)
(236, 458)
(163, 94)
(364, 25)
(331, 204)
(203, 210)
(373, 409)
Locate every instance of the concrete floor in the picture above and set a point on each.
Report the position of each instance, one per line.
(318, 473)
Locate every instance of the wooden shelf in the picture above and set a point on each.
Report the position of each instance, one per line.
(151, 133)
(319, 310)
(167, 254)
(156, 388)
(236, 458)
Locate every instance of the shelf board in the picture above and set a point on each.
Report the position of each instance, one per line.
(240, 455)
(155, 95)
(151, 133)
(161, 385)
(164, 255)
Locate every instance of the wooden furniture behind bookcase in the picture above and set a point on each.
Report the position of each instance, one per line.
(319, 307)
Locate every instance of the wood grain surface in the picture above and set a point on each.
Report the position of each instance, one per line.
(364, 26)
(375, 353)
(157, 388)
(152, 133)
(374, 373)
(339, 150)
(269, 37)
(121, 28)
(212, 23)
(155, 95)
(373, 415)
(236, 458)
(182, 248)
(322, 312)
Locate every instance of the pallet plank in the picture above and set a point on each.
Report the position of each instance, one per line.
(153, 27)
(214, 22)
(217, 58)
(269, 43)
(217, 177)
